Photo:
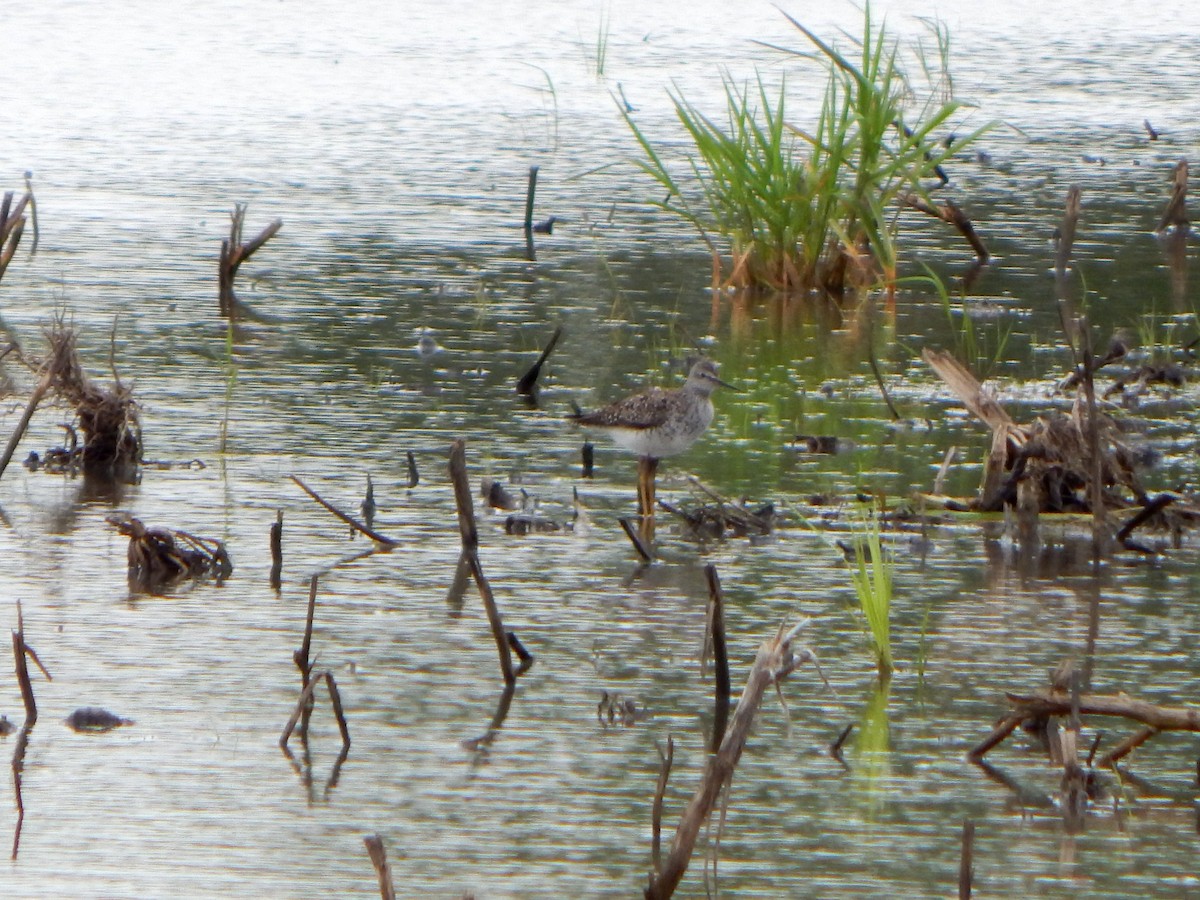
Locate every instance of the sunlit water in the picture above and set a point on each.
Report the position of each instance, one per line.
(394, 141)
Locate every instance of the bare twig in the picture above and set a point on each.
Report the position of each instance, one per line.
(469, 532)
(1046, 703)
(664, 773)
(382, 870)
(528, 382)
(953, 215)
(386, 542)
(776, 660)
(305, 699)
(35, 398)
(234, 252)
(276, 576)
(643, 550)
(716, 619)
(966, 864)
(1175, 215)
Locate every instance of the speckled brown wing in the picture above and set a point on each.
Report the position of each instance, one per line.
(649, 409)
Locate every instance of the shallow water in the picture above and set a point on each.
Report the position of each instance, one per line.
(394, 143)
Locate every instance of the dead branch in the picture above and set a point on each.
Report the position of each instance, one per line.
(469, 532)
(1058, 463)
(301, 656)
(22, 652)
(383, 871)
(12, 225)
(1066, 232)
(1175, 214)
(966, 863)
(108, 418)
(385, 543)
(306, 697)
(642, 548)
(276, 541)
(775, 661)
(665, 761)
(527, 384)
(233, 253)
(716, 637)
(158, 557)
(1046, 703)
(35, 398)
(952, 215)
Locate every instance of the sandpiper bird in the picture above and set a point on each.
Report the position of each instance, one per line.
(659, 423)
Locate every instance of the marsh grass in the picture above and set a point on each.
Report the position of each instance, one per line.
(980, 345)
(599, 53)
(802, 209)
(872, 572)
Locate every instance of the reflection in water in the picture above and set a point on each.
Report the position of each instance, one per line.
(872, 767)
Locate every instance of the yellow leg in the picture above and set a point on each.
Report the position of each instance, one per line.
(647, 471)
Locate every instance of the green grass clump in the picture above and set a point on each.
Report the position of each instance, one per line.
(803, 209)
(872, 575)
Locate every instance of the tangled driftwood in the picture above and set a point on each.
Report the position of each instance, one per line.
(107, 416)
(1048, 465)
(159, 557)
(1044, 704)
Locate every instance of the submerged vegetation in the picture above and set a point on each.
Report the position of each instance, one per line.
(807, 208)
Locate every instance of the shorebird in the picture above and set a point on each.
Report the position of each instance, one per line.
(658, 423)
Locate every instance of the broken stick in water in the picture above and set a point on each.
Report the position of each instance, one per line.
(527, 385)
(383, 871)
(953, 215)
(276, 576)
(716, 639)
(386, 543)
(234, 252)
(469, 533)
(665, 761)
(1175, 215)
(643, 550)
(1047, 703)
(776, 660)
(966, 864)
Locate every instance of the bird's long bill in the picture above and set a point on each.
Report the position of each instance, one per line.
(726, 384)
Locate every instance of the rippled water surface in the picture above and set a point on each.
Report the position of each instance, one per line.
(394, 140)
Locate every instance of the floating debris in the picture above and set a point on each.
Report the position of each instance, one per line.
(821, 443)
(94, 719)
(107, 417)
(6, 727)
(1046, 466)
(498, 496)
(159, 557)
(524, 523)
(613, 709)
